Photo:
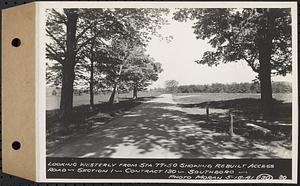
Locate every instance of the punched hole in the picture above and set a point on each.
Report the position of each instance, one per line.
(16, 145)
(16, 42)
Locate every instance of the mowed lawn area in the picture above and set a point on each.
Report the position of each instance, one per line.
(53, 101)
(246, 113)
(246, 106)
(205, 97)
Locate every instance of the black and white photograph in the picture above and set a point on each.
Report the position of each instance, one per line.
(181, 83)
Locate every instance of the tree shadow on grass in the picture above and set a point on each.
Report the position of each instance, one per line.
(162, 130)
(57, 132)
(247, 113)
(249, 106)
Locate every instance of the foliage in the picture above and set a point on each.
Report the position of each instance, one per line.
(236, 34)
(102, 40)
(141, 71)
(106, 27)
(259, 36)
(171, 85)
(278, 87)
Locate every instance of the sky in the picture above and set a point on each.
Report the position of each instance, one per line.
(178, 59)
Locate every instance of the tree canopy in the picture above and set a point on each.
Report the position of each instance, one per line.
(83, 39)
(171, 85)
(140, 72)
(259, 36)
(236, 34)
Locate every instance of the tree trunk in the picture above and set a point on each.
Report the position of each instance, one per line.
(92, 85)
(92, 57)
(265, 46)
(135, 91)
(115, 89)
(266, 88)
(66, 102)
(112, 96)
(117, 95)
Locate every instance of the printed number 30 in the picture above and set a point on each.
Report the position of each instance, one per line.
(282, 177)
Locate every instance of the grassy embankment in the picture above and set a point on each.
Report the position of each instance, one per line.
(247, 115)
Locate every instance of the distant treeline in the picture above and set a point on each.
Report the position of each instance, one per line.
(277, 87)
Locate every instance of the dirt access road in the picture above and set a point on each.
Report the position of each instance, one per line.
(159, 128)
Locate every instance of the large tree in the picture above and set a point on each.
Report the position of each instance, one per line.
(140, 24)
(95, 58)
(122, 52)
(71, 30)
(261, 37)
(140, 72)
(171, 86)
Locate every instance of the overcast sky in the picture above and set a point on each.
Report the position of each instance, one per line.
(178, 59)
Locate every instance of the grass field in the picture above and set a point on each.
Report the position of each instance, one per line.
(246, 111)
(206, 97)
(245, 105)
(52, 102)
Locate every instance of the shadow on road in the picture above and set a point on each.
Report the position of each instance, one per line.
(58, 132)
